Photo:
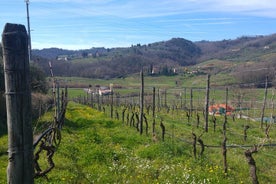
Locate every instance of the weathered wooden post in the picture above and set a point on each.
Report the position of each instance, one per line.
(153, 110)
(98, 101)
(185, 97)
(191, 103)
(165, 98)
(91, 99)
(207, 103)
(111, 105)
(141, 103)
(264, 103)
(224, 148)
(18, 101)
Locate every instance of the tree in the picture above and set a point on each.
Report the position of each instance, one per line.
(255, 74)
(84, 54)
(38, 79)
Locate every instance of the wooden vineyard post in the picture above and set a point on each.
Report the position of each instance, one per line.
(191, 103)
(58, 101)
(264, 103)
(224, 149)
(207, 103)
(91, 100)
(153, 110)
(158, 100)
(111, 105)
(18, 104)
(185, 97)
(141, 103)
(165, 98)
(98, 101)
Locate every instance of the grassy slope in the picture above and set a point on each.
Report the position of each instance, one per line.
(96, 149)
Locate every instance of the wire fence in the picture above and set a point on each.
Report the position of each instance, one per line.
(241, 118)
(246, 104)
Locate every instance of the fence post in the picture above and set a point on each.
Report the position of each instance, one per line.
(165, 98)
(153, 110)
(18, 103)
(141, 103)
(158, 100)
(111, 105)
(264, 103)
(191, 103)
(224, 149)
(91, 99)
(207, 103)
(185, 97)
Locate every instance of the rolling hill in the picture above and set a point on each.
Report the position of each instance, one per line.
(161, 57)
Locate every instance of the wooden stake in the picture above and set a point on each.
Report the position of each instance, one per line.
(207, 103)
(224, 149)
(18, 103)
(141, 103)
(153, 110)
(191, 103)
(264, 103)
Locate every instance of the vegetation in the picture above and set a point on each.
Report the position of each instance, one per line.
(255, 74)
(38, 79)
(244, 48)
(97, 149)
(163, 58)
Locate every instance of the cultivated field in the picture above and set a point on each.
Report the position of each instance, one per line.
(102, 142)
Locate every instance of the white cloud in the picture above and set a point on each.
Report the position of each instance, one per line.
(124, 22)
(260, 8)
(145, 8)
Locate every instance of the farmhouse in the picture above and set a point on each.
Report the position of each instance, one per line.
(105, 91)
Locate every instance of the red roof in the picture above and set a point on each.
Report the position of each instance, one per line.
(220, 108)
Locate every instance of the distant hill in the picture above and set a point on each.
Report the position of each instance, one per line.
(241, 49)
(159, 57)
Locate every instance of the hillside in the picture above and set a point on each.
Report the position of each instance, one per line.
(161, 57)
(241, 49)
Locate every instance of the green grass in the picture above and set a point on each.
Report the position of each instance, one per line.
(3, 157)
(97, 149)
(75, 92)
(133, 81)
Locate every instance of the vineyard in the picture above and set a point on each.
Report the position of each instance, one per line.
(114, 139)
(238, 119)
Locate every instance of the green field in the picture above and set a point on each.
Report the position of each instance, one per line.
(97, 149)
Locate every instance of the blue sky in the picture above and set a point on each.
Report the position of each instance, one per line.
(81, 24)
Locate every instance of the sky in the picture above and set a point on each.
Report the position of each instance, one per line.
(83, 24)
